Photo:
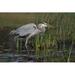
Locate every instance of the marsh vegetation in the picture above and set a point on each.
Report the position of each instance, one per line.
(57, 44)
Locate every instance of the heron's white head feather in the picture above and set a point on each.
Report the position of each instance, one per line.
(41, 25)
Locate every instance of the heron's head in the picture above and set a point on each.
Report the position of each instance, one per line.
(42, 25)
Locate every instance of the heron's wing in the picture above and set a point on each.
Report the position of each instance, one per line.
(25, 29)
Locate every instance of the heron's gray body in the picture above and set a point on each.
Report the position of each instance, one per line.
(25, 29)
(30, 30)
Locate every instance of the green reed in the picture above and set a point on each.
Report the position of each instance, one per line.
(64, 28)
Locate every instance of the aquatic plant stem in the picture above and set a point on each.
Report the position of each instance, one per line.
(70, 50)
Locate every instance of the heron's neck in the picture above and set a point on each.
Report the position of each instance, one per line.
(41, 29)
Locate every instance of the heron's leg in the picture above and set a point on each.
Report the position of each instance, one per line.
(27, 41)
(32, 34)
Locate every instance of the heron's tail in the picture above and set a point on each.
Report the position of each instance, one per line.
(12, 32)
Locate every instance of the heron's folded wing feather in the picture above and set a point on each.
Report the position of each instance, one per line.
(26, 29)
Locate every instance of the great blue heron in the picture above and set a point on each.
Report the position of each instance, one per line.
(30, 29)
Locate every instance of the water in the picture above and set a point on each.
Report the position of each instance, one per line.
(53, 56)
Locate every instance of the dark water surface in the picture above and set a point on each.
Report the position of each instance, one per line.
(53, 56)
